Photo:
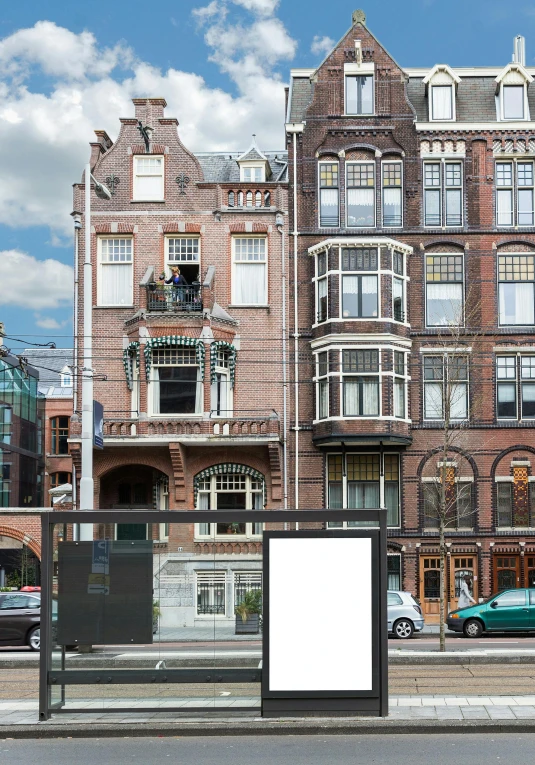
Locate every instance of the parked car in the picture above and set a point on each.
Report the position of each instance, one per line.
(507, 611)
(404, 614)
(20, 619)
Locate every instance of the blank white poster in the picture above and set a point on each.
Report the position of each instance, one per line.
(320, 618)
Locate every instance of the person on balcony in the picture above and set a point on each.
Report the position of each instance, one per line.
(176, 280)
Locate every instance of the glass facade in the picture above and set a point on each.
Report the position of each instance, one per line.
(21, 442)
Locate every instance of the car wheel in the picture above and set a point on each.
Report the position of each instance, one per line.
(473, 628)
(403, 629)
(34, 639)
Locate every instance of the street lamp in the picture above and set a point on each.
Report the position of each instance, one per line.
(86, 480)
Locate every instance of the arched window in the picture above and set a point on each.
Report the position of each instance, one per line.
(231, 199)
(229, 487)
(267, 199)
(258, 199)
(249, 199)
(240, 198)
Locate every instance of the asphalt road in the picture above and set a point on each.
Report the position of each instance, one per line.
(414, 749)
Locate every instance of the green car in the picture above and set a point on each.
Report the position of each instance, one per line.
(510, 610)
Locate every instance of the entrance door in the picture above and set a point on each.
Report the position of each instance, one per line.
(509, 610)
(530, 574)
(506, 572)
(430, 587)
(461, 567)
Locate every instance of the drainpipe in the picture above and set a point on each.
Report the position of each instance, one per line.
(77, 226)
(280, 229)
(296, 325)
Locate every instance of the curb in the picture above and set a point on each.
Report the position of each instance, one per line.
(282, 727)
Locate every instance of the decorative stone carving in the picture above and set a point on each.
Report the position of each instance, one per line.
(359, 17)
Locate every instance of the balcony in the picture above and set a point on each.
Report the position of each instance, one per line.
(166, 298)
(263, 428)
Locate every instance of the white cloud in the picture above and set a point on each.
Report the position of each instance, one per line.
(47, 322)
(208, 11)
(322, 45)
(39, 284)
(44, 136)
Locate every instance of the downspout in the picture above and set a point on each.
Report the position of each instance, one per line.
(77, 227)
(280, 229)
(296, 324)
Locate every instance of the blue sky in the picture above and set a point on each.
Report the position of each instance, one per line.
(67, 68)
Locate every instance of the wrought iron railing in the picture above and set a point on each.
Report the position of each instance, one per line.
(166, 297)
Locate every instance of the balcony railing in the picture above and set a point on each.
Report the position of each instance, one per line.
(229, 427)
(166, 297)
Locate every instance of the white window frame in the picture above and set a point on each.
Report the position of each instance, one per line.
(445, 372)
(154, 380)
(518, 381)
(136, 196)
(329, 188)
(224, 371)
(341, 274)
(319, 380)
(443, 192)
(212, 492)
(363, 73)
(169, 262)
(213, 578)
(349, 164)
(462, 283)
(514, 188)
(525, 105)
(253, 168)
(499, 281)
(404, 281)
(452, 102)
(265, 261)
(383, 187)
(102, 265)
(66, 377)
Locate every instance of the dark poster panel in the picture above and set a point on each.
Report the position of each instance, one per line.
(105, 592)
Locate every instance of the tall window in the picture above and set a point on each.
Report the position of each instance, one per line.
(115, 272)
(148, 178)
(458, 513)
(321, 286)
(445, 387)
(400, 406)
(516, 281)
(249, 278)
(359, 292)
(360, 202)
(513, 102)
(510, 512)
(398, 287)
(360, 383)
(60, 433)
(220, 390)
(392, 194)
(359, 485)
(443, 194)
(359, 94)
(514, 194)
(515, 382)
(393, 567)
(442, 102)
(175, 379)
(183, 251)
(230, 491)
(211, 593)
(322, 370)
(444, 290)
(329, 194)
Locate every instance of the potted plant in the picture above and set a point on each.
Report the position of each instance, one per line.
(156, 613)
(248, 613)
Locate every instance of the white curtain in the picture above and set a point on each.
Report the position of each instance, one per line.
(392, 503)
(399, 398)
(369, 285)
(362, 494)
(398, 289)
(360, 197)
(329, 197)
(444, 304)
(458, 401)
(351, 398)
(351, 285)
(149, 187)
(516, 303)
(504, 204)
(155, 385)
(392, 207)
(433, 401)
(116, 284)
(203, 503)
(442, 102)
(250, 284)
(370, 398)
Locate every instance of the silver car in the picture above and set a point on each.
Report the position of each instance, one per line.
(404, 614)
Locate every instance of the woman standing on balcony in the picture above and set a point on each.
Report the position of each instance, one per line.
(176, 279)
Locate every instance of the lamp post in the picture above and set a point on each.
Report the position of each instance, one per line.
(86, 479)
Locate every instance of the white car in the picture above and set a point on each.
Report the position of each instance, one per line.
(404, 614)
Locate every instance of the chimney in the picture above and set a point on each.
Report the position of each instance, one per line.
(149, 110)
(519, 50)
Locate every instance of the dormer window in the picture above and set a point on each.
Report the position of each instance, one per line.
(441, 83)
(359, 94)
(254, 166)
(512, 93)
(66, 377)
(442, 102)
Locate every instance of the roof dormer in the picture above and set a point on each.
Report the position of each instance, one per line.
(254, 166)
(512, 93)
(441, 84)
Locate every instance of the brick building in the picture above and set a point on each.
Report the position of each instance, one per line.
(189, 373)
(412, 275)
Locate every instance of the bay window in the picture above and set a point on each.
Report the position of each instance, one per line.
(220, 389)
(392, 194)
(360, 393)
(356, 481)
(516, 282)
(400, 409)
(321, 286)
(115, 272)
(329, 194)
(249, 277)
(360, 194)
(148, 178)
(444, 290)
(322, 371)
(445, 387)
(359, 292)
(359, 94)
